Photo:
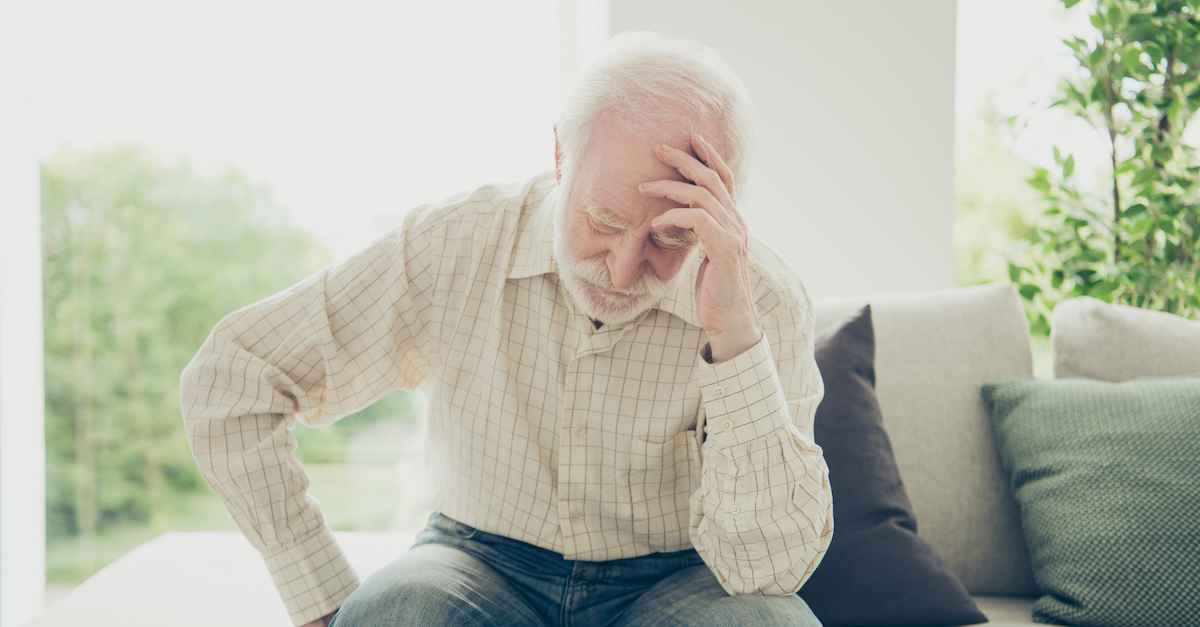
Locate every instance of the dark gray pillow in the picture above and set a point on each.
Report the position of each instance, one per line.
(876, 571)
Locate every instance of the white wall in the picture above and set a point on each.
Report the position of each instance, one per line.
(853, 179)
(22, 439)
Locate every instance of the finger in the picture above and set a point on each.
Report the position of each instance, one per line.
(718, 242)
(680, 192)
(698, 221)
(714, 161)
(695, 171)
(693, 196)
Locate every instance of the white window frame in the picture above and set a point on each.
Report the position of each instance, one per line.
(22, 400)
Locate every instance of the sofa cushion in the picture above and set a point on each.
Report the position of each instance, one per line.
(876, 570)
(1095, 340)
(1110, 498)
(933, 351)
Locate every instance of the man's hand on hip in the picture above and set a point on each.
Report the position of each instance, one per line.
(723, 301)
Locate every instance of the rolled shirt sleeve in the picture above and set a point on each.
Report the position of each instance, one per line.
(322, 349)
(762, 517)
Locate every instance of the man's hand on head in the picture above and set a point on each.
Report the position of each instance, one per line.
(724, 303)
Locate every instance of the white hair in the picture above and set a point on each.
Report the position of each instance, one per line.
(653, 85)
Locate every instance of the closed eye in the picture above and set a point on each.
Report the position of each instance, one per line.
(674, 240)
(603, 229)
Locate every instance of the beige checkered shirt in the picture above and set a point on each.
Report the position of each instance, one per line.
(595, 443)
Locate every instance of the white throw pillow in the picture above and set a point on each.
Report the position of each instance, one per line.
(1092, 339)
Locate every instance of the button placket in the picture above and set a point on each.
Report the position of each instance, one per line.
(569, 492)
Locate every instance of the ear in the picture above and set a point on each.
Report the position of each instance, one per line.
(557, 156)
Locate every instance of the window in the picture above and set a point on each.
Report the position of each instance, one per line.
(199, 157)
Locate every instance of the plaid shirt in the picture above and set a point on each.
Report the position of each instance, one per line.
(599, 444)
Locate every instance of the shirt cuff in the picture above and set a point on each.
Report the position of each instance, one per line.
(743, 399)
(312, 576)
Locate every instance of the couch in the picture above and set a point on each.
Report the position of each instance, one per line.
(1101, 458)
(934, 351)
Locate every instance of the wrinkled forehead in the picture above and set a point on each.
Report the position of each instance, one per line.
(617, 156)
(615, 153)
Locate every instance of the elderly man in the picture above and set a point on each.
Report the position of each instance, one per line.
(621, 384)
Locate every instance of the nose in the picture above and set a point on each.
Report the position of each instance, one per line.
(626, 263)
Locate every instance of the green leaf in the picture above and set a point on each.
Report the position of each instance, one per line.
(1155, 52)
(1028, 291)
(1056, 279)
(1057, 155)
(1133, 62)
(1014, 272)
(1141, 228)
(1068, 166)
(1041, 184)
(1053, 211)
(1149, 174)
(1102, 290)
(1096, 20)
(1114, 14)
(1167, 226)
(1039, 326)
(1070, 3)
(1092, 254)
(1133, 210)
(1142, 32)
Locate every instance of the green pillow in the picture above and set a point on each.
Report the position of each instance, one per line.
(1108, 479)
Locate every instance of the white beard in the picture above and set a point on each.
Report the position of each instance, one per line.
(589, 282)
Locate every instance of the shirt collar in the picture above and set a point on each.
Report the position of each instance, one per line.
(534, 253)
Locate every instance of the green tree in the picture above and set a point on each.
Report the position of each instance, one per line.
(141, 260)
(994, 210)
(1138, 242)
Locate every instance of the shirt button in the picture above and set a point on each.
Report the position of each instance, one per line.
(735, 509)
(727, 425)
(579, 429)
(576, 515)
(718, 391)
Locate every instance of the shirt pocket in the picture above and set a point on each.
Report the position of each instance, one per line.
(662, 478)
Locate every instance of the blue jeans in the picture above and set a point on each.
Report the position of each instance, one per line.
(460, 576)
